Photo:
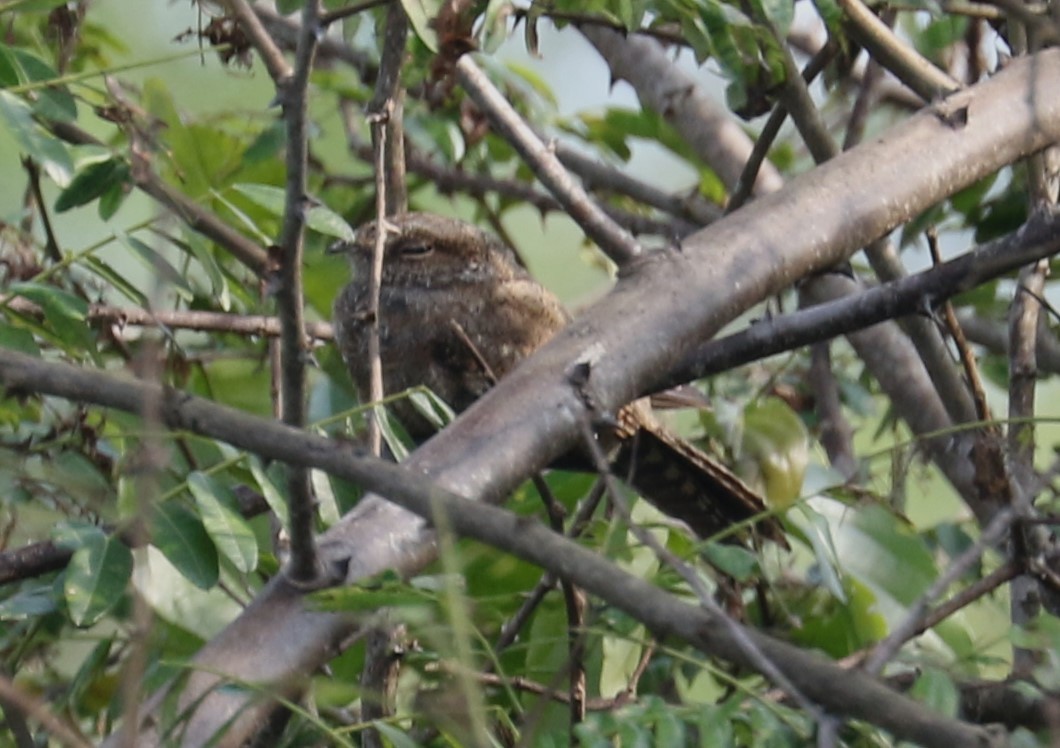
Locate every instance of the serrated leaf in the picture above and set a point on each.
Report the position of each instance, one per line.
(220, 516)
(183, 540)
(96, 578)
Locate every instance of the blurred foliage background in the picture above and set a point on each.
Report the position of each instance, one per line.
(80, 477)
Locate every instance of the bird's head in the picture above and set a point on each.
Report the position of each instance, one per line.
(425, 250)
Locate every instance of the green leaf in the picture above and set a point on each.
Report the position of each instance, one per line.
(392, 433)
(781, 13)
(52, 102)
(421, 13)
(394, 736)
(220, 515)
(736, 561)
(185, 543)
(386, 590)
(17, 339)
(47, 150)
(493, 30)
(52, 300)
(776, 444)
(326, 221)
(268, 490)
(96, 578)
(431, 407)
(819, 534)
(112, 199)
(28, 603)
(73, 534)
(936, 690)
(886, 554)
(92, 182)
(158, 264)
(201, 251)
(319, 218)
(115, 279)
(34, 6)
(91, 671)
(65, 314)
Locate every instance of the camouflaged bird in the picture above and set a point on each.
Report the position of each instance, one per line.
(457, 312)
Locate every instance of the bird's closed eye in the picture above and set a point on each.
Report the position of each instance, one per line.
(416, 250)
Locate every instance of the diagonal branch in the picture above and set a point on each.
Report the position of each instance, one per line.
(629, 339)
(665, 615)
(614, 241)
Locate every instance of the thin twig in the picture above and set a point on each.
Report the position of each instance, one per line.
(574, 603)
(276, 64)
(51, 244)
(1036, 239)
(353, 9)
(612, 240)
(179, 319)
(292, 91)
(749, 176)
(908, 65)
(39, 710)
(511, 628)
(193, 215)
(917, 614)
(375, 283)
(449, 179)
(693, 579)
(860, 697)
(967, 357)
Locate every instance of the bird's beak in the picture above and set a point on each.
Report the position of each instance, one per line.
(337, 247)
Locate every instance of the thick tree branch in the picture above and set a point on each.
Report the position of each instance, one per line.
(664, 614)
(660, 85)
(911, 295)
(629, 338)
